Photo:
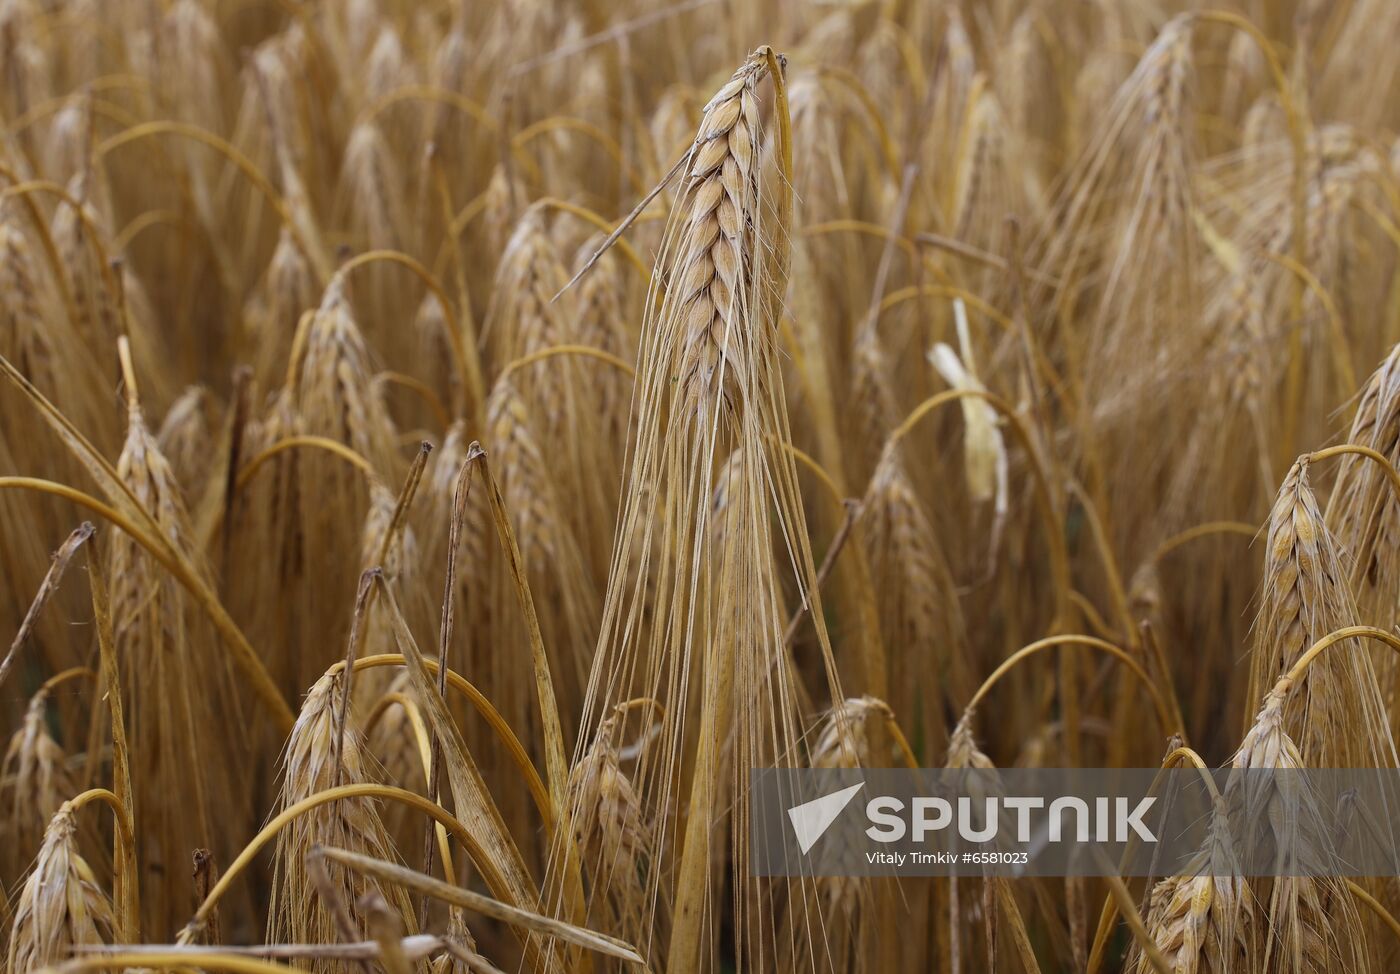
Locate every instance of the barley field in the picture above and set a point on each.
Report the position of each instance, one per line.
(445, 446)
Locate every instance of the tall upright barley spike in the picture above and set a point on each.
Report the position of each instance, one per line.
(708, 387)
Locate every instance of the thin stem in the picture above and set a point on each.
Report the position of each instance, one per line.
(1110, 563)
(863, 228)
(583, 127)
(1295, 673)
(331, 446)
(1341, 352)
(52, 106)
(1089, 642)
(129, 899)
(126, 879)
(463, 347)
(525, 920)
(142, 221)
(245, 165)
(586, 351)
(901, 742)
(290, 814)
(843, 534)
(847, 79)
(1379, 910)
(177, 960)
(415, 947)
(514, 749)
(1059, 556)
(961, 248)
(810, 462)
(1185, 755)
(1204, 530)
(1092, 617)
(1119, 891)
(1363, 451)
(601, 222)
(63, 676)
(1178, 755)
(423, 391)
(428, 93)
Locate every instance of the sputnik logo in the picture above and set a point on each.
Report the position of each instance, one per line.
(810, 820)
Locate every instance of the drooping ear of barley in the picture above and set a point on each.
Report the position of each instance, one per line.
(1203, 919)
(61, 904)
(297, 523)
(1024, 82)
(197, 67)
(846, 909)
(430, 343)
(1145, 262)
(387, 67)
(32, 70)
(918, 603)
(1311, 922)
(1345, 163)
(501, 205)
(98, 320)
(1363, 510)
(524, 319)
(603, 322)
(35, 779)
(333, 384)
(184, 437)
(873, 409)
(990, 176)
(1337, 715)
(373, 190)
(184, 700)
(1237, 391)
(397, 739)
(297, 913)
(615, 837)
(552, 559)
(287, 288)
(998, 899)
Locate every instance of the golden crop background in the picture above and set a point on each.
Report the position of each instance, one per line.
(983, 382)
